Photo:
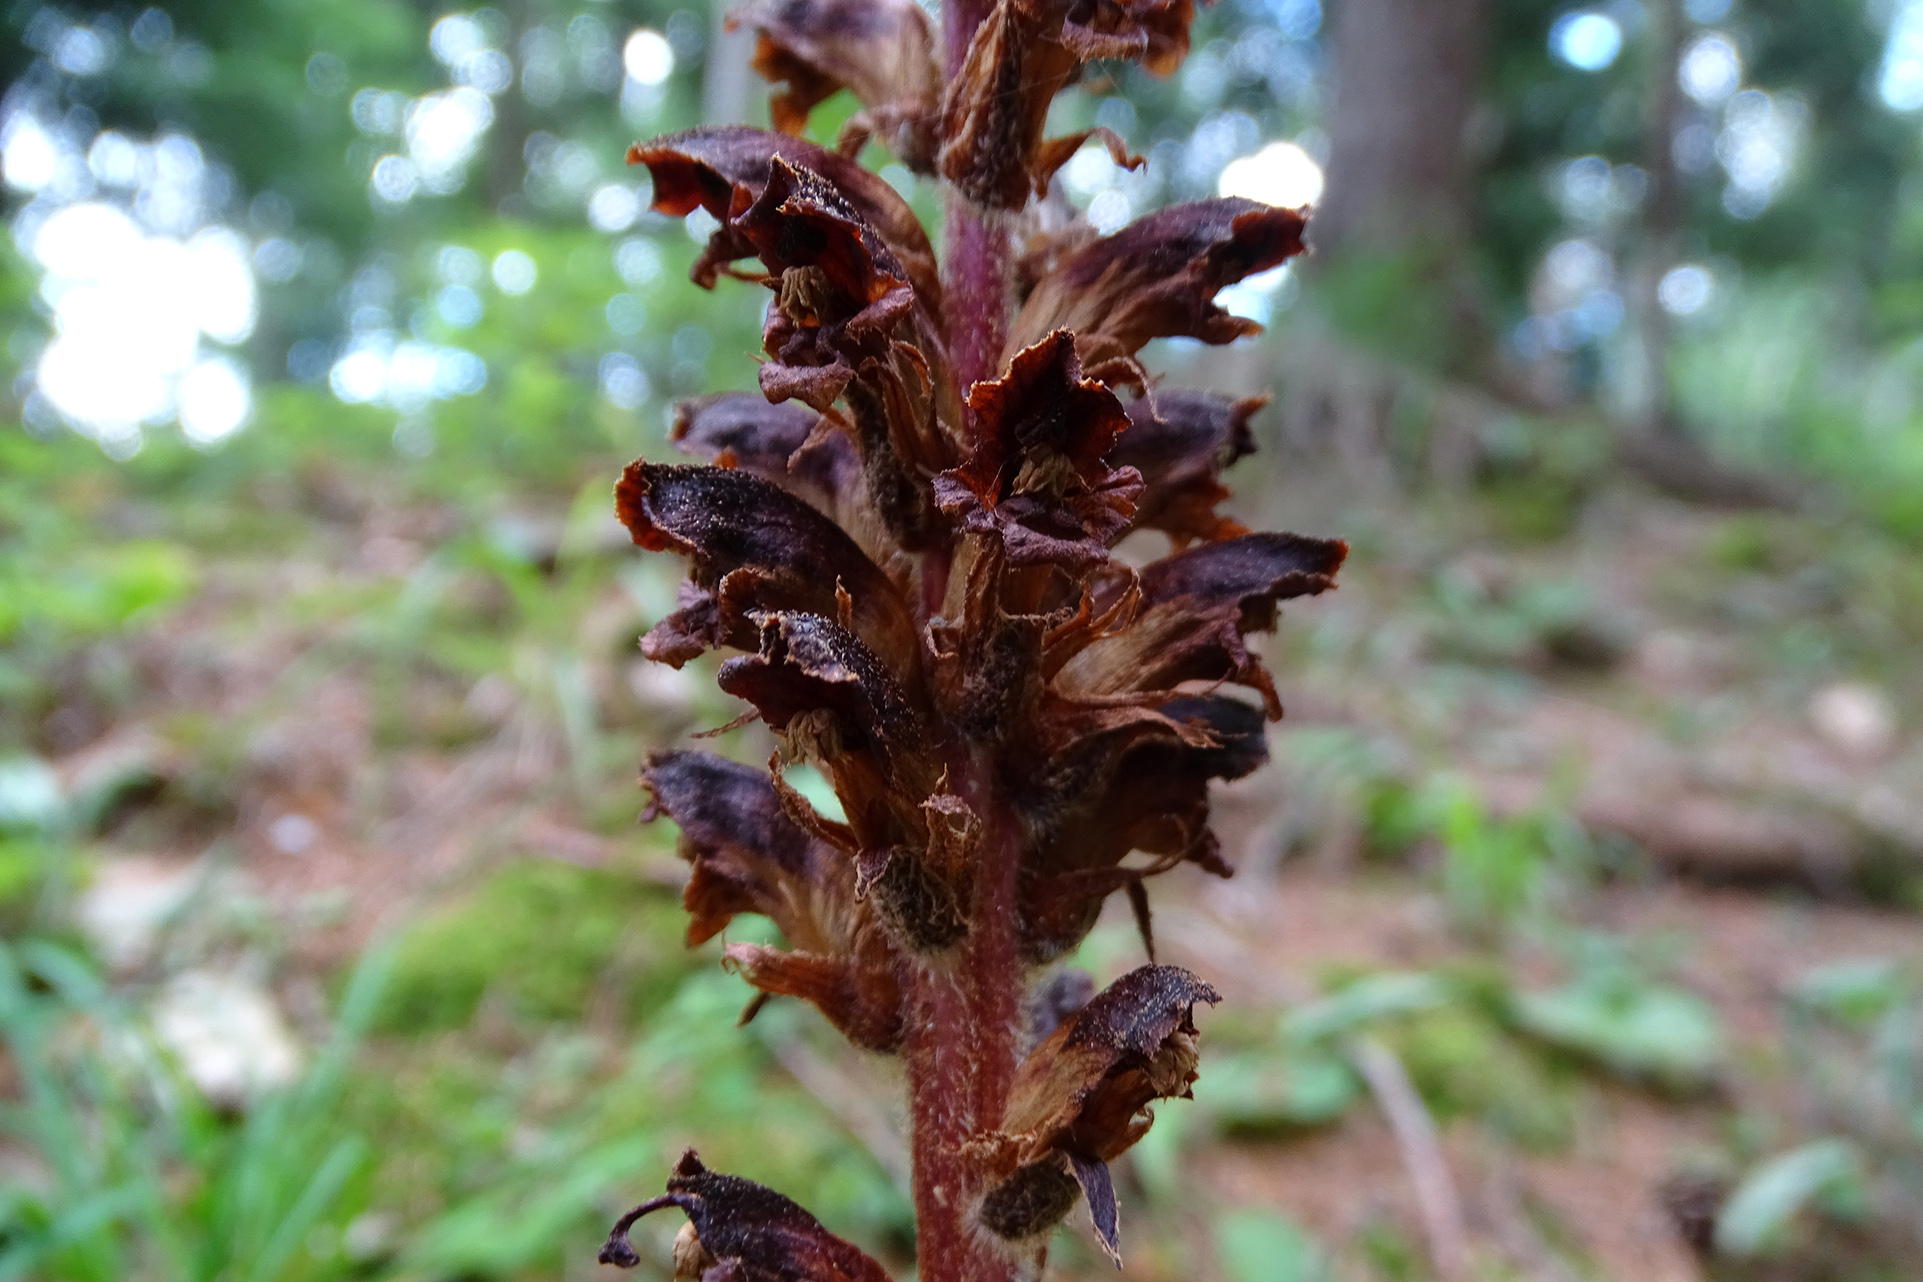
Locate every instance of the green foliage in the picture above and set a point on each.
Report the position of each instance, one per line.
(1276, 1089)
(1542, 623)
(1466, 1064)
(1643, 1031)
(1496, 871)
(1449, 1030)
(1824, 1175)
(1395, 304)
(140, 1177)
(518, 1169)
(544, 938)
(1261, 1246)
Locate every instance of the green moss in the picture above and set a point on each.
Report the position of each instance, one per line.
(1465, 1066)
(1533, 509)
(1746, 543)
(546, 939)
(1391, 1255)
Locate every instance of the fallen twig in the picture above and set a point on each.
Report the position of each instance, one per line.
(1415, 1132)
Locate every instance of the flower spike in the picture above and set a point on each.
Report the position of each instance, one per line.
(911, 534)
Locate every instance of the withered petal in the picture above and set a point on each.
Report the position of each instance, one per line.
(863, 999)
(807, 663)
(1103, 1212)
(829, 699)
(1036, 475)
(1022, 55)
(724, 169)
(802, 219)
(1112, 794)
(783, 443)
(765, 1236)
(1082, 1093)
(691, 631)
(776, 551)
(748, 855)
(1180, 441)
(847, 326)
(883, 51)
(1158, 278)
(1137, 1013)
(1198, 605)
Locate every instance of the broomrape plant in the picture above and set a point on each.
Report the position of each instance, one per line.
(907, 536)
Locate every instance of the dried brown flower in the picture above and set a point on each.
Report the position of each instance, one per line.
(1081, 1098)
(742, 1233)
(1025, 53)
(881, 50)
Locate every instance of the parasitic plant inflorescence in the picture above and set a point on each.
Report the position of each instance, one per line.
(906, 538)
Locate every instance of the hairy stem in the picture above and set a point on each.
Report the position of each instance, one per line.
(975, 253)
(961, 1048)
(939, 1122)
(975, 286)
(961, 1052)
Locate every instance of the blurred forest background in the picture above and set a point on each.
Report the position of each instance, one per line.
(1575, 929)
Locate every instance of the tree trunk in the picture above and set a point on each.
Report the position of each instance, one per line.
(1405, 74)
(1653, 415)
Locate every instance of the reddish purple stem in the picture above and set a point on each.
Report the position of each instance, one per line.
(961, 1050)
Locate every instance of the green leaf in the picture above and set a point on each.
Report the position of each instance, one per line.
(1757, 1217)
(1364, 1002)
(1641, 1031)
(1261, 1246)
(1857, 989)
(30, 800)
(1271, 1090)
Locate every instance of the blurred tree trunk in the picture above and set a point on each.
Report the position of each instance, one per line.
(1405, 76)
(1651, 440)
(1653, 414)
(1393, 225)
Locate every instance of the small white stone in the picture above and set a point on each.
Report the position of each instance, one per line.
(293, 834)
(492, 698)
(1855, 718)
(123, 909)
(369, 1235)
(227, 1033)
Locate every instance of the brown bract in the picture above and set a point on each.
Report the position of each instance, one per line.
(880, 50)
(753, 546)
(789, 444)
(1142, 788)
(1180, 441)
(1081, 1097)
(743, 1232)
(831, 702)
(750, 855)
(724, 168)
(1158, 278)
(1036, 476)
(1197, 607)
(1025, 53)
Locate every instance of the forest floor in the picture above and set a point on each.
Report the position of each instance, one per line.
(1607, 785)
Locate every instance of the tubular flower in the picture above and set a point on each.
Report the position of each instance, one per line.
(913, 577)
(738, 1231)
(1081, 1100)
(883, 51)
